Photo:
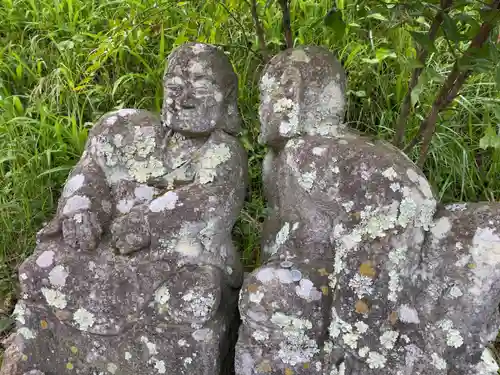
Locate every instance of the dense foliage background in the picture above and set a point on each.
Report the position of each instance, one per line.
(66, 62)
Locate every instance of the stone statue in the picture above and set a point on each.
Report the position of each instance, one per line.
(137, 272)
(360, 275)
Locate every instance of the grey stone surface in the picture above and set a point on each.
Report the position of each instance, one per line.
(137, 272)
(361, 275)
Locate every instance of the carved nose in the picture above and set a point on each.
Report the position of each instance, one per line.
(186, 100)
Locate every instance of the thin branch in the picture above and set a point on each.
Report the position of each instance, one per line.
(287, 28)
(422, 57)
(259, 30)
(450, 89)
(236, 20)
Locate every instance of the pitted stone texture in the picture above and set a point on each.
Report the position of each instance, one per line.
(137, 272)
(360, 275)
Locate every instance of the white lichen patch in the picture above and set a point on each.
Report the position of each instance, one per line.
(308, 291)
(125, 205)
(20, 312)
(488, 365)
(160, 367)
(203, 334)
(338, 326)
(57, 276)
(83, 318)
(362, 285)
(363, 352)
(162, 295)
(256, 297)
(438, 361)
(390, 173)
(260, 335)
(200, 304)
(376, 360)
(348, 206)
(45, 259)
(485, 252)
(408, 314)
(300, 56)
(453, 337)
(76, 203)
(351, 340)
(281, 237)
(388, 339)
(213, 157)
(26, 333)
(112, 368)
(319, 151)
(394, 286)
(455, 292)
(306, 180)
(456, 207)
(54, 298)
(128, 356)
(144, 193)
(297, 347)
(73, 185)
(150, 345)
(362, 327)
(441, 228)
(167, 201)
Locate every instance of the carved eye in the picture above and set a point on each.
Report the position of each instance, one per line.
(174, 88)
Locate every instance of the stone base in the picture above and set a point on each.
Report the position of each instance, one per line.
(52, 348)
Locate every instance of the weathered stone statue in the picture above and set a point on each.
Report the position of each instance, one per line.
(137, 273)
(360, 275)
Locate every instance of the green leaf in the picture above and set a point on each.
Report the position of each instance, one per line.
(335, 21)
(496, 111)
(377, 16)
(490, 139)
(384, 53)
(418, 89)
(423, 40)
(450, 28)
(498, 77)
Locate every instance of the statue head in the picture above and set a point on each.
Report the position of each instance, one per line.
(301, 92)
(200, 91)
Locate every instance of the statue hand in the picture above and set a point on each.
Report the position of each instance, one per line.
(82, 230)
(130, 232)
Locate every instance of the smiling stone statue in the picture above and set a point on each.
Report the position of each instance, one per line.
(360, 275)
(137, 272)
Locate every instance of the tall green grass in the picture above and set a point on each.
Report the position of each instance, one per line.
(66, 62)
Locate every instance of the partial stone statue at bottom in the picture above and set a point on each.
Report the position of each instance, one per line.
(360, 275)
(137, 273)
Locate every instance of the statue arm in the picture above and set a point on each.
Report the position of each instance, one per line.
(84, 208)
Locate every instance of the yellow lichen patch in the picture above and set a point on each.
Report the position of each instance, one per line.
(24, 357)
(264, 367)
(307, 365)
(288, 371)
(362, 307)
(366, 269)
(393, 317)
(323, 272)
(69, 366)
(252, 288)
(44, 324)
(74, 349)
(324, 290)
(471, 266)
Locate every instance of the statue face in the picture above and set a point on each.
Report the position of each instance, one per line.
(302, 92)
(280, 105)
(193, 100)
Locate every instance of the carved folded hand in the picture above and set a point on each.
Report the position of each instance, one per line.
(130, 232)
(80, 230)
